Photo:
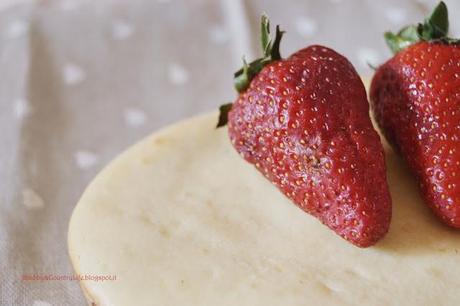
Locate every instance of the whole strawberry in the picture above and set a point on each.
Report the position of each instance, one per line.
(304, 123)
(416, 100)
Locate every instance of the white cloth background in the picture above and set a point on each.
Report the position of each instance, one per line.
(82, 80)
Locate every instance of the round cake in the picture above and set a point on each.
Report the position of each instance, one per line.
(181, 219)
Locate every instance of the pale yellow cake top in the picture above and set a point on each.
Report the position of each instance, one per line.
(181, 219)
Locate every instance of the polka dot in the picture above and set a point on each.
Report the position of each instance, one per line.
(31, 199)
(368, 56)
(218, 34)
(306, 27)
(177, 74)
(73, 74)
(121, 30)
(21, 108)
(41, 303)
(134, 117)
(17, 28)
(85, 159)
(396, 16)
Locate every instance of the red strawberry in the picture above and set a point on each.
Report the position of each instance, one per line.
(304, 123)
(416, 100)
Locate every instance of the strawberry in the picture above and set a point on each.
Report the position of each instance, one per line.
(304, 123)
(416, 100)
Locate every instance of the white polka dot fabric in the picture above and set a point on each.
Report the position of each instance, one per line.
(81, 80)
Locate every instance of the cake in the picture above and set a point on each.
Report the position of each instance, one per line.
(181, 219)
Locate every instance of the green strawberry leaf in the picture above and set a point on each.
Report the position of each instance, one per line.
(437, 25)
(275, 48)
(407, 36)
(223, 114)
(265, 34)
(243, 77)
(435, 28)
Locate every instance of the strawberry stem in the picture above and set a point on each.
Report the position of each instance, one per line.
(243, 77)
(271, 52)
(434, 29)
